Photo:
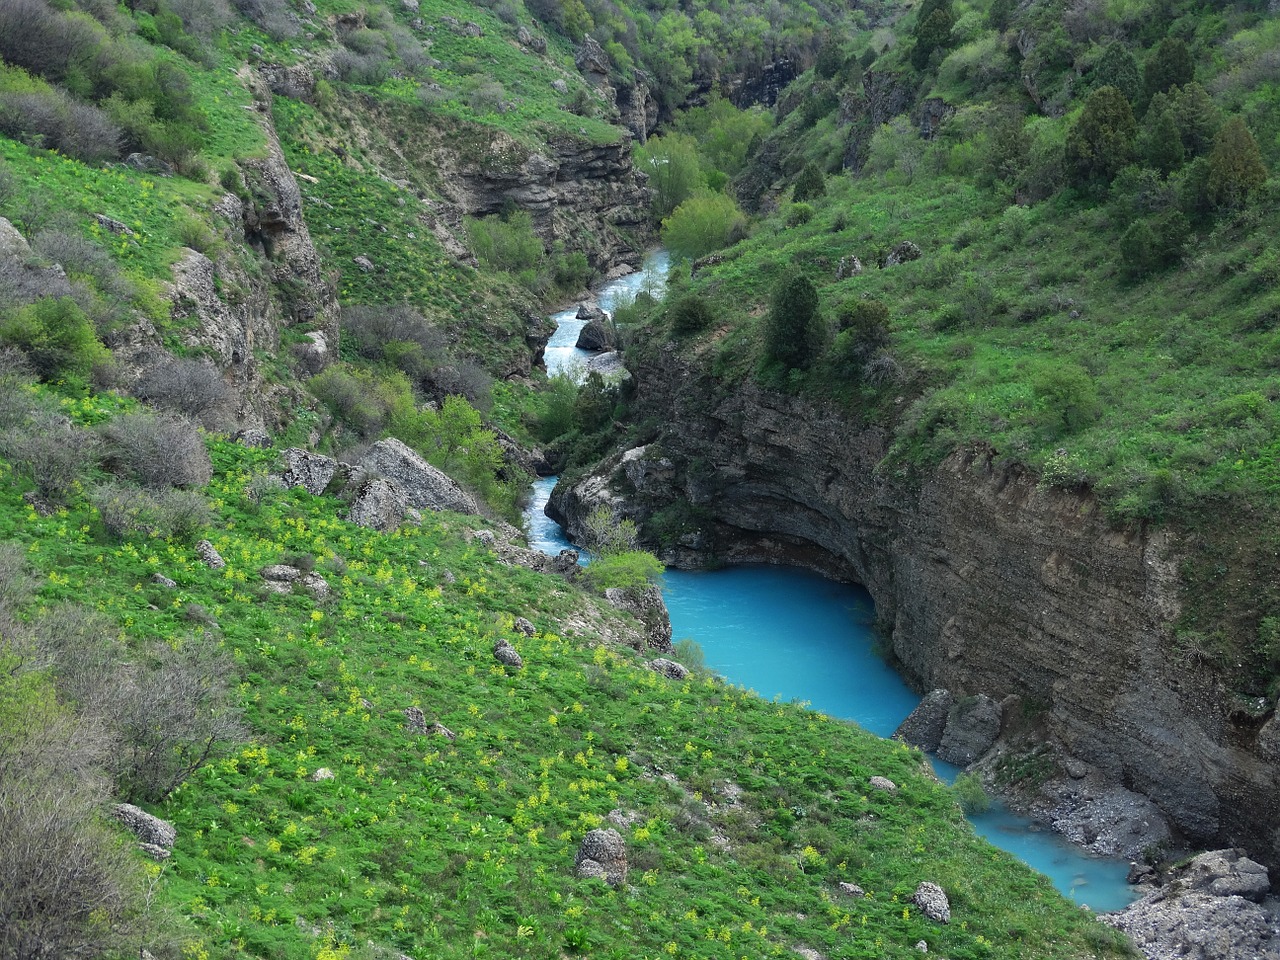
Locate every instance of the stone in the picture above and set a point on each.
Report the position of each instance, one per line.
(363, 262)
(12, 242)
(668, 668)
(589, 311)
(1227, 873)
(506, 654)
(606, 848)
(146, 163)
(422, 485)
(559, 86)
(1141, 873)
(252, 437)
(295, 81)
(144, 826)
(609, 365)
(483, 537)
(440, 730)
(209, 555)
(925, 724)
(850, 889)
(932, 901)
(590, 870)
(922, 946)
(525, 627)
(904, 252)
(848, 266)
(535, 42)
(414, 720)
(281, 573)
(323, 773)
(316, 585)
(161, 580)
(112, 226)
(410, 5)
(377, 506)
(1107, 819)
(883, 784)
(154, 851)
(1174, 924)
(595, 336)
(311, 471)
(646, 605)
(973, 724)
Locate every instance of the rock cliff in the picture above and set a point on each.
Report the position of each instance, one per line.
(985, 582)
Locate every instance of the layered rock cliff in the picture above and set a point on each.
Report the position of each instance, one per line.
(985, 583)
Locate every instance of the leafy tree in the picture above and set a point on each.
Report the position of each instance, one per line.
(1235, 165)
(810, 184)
(1117, 67)
(1101, 140)
(1170, 65)
(1067, 394)
(1008, 149)
(1160, 143)
(793, 327)
(701, 225)
(674, 169)
(1000, 13)
(723, 133)
(830, 58)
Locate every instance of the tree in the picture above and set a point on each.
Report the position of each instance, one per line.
(1101, 140)
(793, 327)
(701, 225)
(1067, 394)
(933, 31)
(1235, 165)
(1198, 118)
(1169, 66)
(830, 57)
(1160, 143)
(810, 184)
(1117, 67)
(674, 169)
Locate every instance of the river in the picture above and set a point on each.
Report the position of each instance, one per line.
(792, 634)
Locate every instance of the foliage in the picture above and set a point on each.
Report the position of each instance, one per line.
(1117, 67)
(674, 168)
(934, 21)
(1101, 140)
(1067, 394)
(971, 794)
(1236, 169)
(1170, 65)
(506, 243)
(810, 185)
(56, 337)
(689, 314)
(793, 328)
(701, 225)
(626, 570)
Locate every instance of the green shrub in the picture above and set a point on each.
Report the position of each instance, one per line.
(810, 185)
(169, 514)
(628, 570)
(690, 314)
(799, 214)
(702, 225)
(793, 329)
(57, 338)
(971, 794)
(506, 243)
(1067, 393)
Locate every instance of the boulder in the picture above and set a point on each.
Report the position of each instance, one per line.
(932, 901)
(209, 555)
(154, 852)
(440, 730)
(311, 471)
(904, 252)
(252, 437)
(607, 850)
(160, 580)
(422, 485)
(281, 573)
(646, 605)
(144, 826)
(1106, 818)
(316, 585)
(12, 242)
(849, 266)
(324, 773)
(527, 38)
(924, 726)
(668, 668)
(595, 336)
(1227, 873)
(363, 263)
(506, 654)
(525, 627)
(850, 889)
(589, 311)
(378, 505)
(414, 720)
(883, 784)
(972, 727)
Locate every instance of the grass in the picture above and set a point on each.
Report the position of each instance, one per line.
(465, 848)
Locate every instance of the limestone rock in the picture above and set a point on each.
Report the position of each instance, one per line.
(363, 262)
(904, 252)
(12, 242)
(924, 726)
(316, 585)
(883, 784)
(646, 605)
(295, 81)
(155, 852)
(161, 580)
(422, 485)
(972, 727)
(209, 555)
(145, 827)
(595, 336)
(378, 506)
(323, 773)
(414, 720)
(668, 668)
(311, 471)
(113, 226)
(525, 627)
(606, 848)
(591, 870)
(281, 573)
(440, 730)
(850, 889)
(252, 437)
(1107, 819)
(1227, 873)
(559, 86)
(932, 901)
(506, 654)
(849, 266)
(527, 38)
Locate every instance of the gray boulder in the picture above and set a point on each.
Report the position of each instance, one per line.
(144, 826)
(883, 784)
(316, 585)
(972, 727)
(525, 627)
(506, 654)
(1227, 873)
(12, 242)
(668, 668)
(378, 506)
(415, 720)
(932, 901)
(527, 38)
(209, 555)
(595, 336)
(422, 485)
(281, 573)
(646, 605)
(160, 580)
(924, 726)
(308, 470)
(605, 849)
(904, 252)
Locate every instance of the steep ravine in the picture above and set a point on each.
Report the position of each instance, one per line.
(985, 583)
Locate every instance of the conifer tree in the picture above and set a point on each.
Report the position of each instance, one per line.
(1235, 165)
(1160, 144)
(1118, 68)
(792, 329)
(1101, 140)
(1170, 65)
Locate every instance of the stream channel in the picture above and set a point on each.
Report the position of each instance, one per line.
(792, 634)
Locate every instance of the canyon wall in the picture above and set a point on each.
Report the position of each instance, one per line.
(984, 582)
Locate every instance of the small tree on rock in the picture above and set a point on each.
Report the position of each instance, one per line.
(793, 327)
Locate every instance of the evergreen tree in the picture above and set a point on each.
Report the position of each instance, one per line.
(933, 31)
(1160, 144)
(809, 184)
(1000, 13)
(1101, 140)
(1198, 118)
(830, 58)
(1118, 68)
(1235, 165)
(1169, 66)
(793, 327)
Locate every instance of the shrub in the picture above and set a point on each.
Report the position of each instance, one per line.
(506, 243)
(605, 534)
(273, 17)
(1101, 140)
(160, 450)
(626, 571)
(689, 314)
(56, 337)
(1068, 395)
(810, 185)
(867, 323)
(50, 119)
(170, 514)
(799, 214)
(193, 388)
(971, 794)
(51, 452)
(701, 225)
(1236, 169)
(793, 327)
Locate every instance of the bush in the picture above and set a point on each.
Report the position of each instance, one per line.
(971, 794)
(701, 225)
(799, 214)
(689, 314)
(1068, 395)
(170, 514)
(52, 453)
(193, 388)
(1101, 140)
(626, 571)
(793, 330)
(56, 337)
(160, 450)
(506, 243)
(50, 119)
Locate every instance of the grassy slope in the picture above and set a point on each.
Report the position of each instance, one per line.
(457, 849)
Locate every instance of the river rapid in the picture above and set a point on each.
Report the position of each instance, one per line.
(792, 634)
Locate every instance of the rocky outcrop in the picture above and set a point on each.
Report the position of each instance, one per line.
(421, 485)
(646, 605)
(972, 727)
(932, 901)
(985, 581)
(148, 829)
(1214, 908)
(595, 336)
(603, 854)
(377, 505)
(923, 728)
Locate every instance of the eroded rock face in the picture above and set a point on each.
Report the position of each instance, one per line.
(924, 726)
(972, 727)
(989, 584)
(421, 485)
(646, 605)
(311, 471)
